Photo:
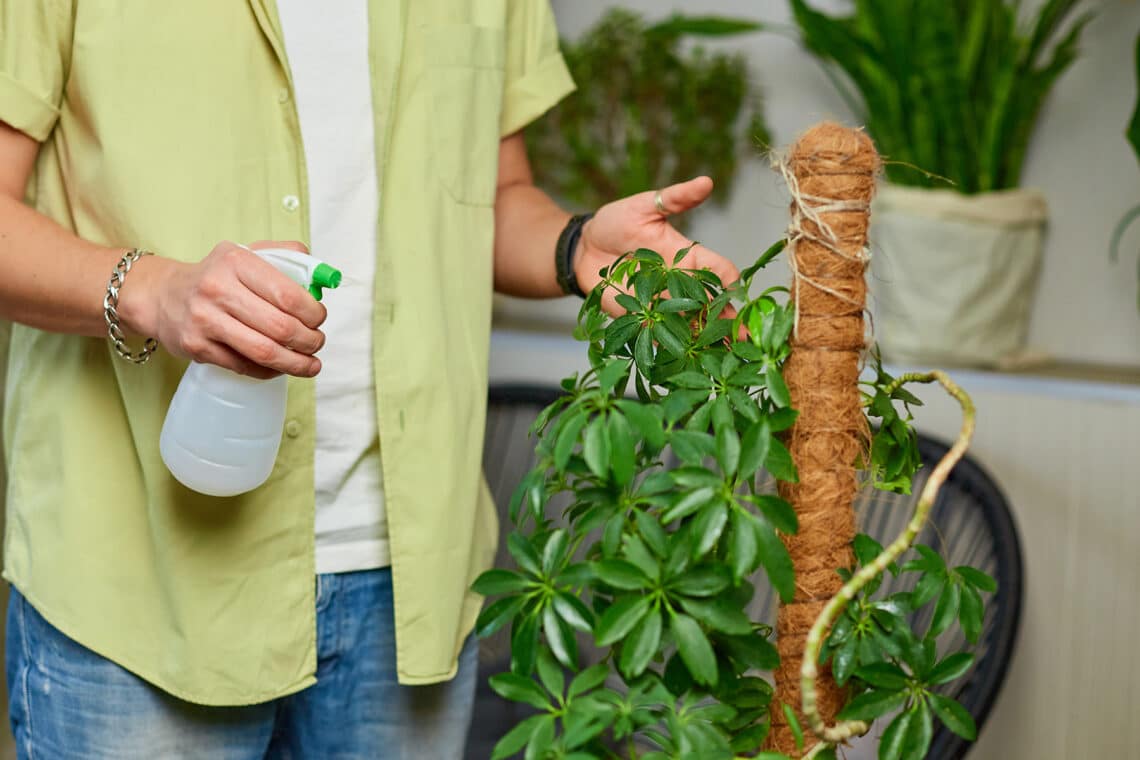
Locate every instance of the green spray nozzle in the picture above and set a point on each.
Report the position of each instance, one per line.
(324, 276)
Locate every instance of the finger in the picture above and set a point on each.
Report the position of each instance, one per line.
(292, 245)
(279, 326)
(681, 197)
(262, 351)
(263, 279)
(225, 357)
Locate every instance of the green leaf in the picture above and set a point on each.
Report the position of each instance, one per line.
(497, 581)
(728, 450)
(777, 388)
(794, 724)
(652, 533)
(560, 638)
(719, 614)
(568, 439)
(550, 673)
(883, 675)
(518, 688)
(928, 587)
(766, 257)
(971, 611)
(643, 351)
(891, 744)
(691, 447)
(952, 667)
(524, 554)
(782, 419)
(647, 422)
(641, 644)
(754, 448)
(707, 527)
(866, 549)
(596, 449)
(945, 611)
(707, 580)
(916, 745)
(497, 614)
(622, 448)
(954, 716)
(588, 680)
(695, 649)
(844, 660)
(676, 305)
(777, 563)
(778, 512)
(515, 739)
(621, 574)
(524, 644)
(743, 549)
(668, 340)
(679, 25)
(571, 609)
(620, 618)
(873, 704)
(779, 461)
(554, 553)
(688, 504)
(976, 578)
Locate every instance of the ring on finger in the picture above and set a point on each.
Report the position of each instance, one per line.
(659, 203)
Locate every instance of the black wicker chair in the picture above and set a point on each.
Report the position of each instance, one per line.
(970, 524)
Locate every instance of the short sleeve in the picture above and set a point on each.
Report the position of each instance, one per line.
(35, 53)
(536, 74)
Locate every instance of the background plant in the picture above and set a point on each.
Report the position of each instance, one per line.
(649, 111)
(650, 564)
(1133, 135)
(951, 87)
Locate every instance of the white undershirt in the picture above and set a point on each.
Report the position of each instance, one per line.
(326, 42)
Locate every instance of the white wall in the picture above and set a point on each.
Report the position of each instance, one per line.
(1086, 308)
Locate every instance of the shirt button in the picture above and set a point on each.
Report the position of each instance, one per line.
(283, 95)
(292, 428)
(290, 203)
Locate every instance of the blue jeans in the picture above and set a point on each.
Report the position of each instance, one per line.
(68, 702)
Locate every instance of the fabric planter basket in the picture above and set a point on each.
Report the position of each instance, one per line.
(954, 276)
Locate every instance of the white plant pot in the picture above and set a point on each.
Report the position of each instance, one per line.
(953, 277)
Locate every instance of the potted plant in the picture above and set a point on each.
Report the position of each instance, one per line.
(951, 92)
(650, 567)
(1133, 135)
(650, 111)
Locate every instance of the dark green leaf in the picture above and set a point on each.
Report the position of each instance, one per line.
(954, 716)
(550, 673)
(728, 450)
(794, 724)
(707, 580)
(647, 422)
(621, 574)
(497, 614)
(620, 618)
(916, 745)
(560, 638)
(688, 504)
(891, 744)
(554, 553)
(777, 388)
(873, 704)
(694, 648)
(524, 554)
(707, 527)
(719, 614)
(496, 581)
(596, 449)
(952, 667)
(782, 419)
(779, 462)
(976, 578)
(945, 611)
(641, 644)
(652, 533)
(883, 675)
(524, 644)
(588, 680)
(928, 587)
(743, 549)
(774, 557)
(643, 351)
(517, 737)
(754, 448)
(668, 340)
(571, 609)
(568, 439)
(691, 447)
(679, 25)
(675, 305)
(778, 512)
(519, 689)
(765, 258)
(844, 659)
(622, 448)
(971, 611)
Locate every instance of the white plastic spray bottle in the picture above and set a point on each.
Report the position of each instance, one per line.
(222, 430)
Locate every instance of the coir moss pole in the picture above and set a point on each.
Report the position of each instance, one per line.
(831, 172)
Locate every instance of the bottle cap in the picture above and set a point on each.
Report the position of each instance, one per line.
(324, 276)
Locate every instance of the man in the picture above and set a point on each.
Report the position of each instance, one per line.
(148, 621)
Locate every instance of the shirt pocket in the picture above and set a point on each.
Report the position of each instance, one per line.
(464, 76)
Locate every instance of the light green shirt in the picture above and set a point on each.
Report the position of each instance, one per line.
(171, 126)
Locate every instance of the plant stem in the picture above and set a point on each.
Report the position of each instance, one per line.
(809, 671)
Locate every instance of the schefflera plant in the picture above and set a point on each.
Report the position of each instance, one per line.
(664, 526)
(656, 452)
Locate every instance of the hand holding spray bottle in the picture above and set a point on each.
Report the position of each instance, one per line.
(222, 430)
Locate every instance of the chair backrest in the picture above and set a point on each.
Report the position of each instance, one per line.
(970, 524)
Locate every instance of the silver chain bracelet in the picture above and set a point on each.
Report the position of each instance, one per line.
(111, 315)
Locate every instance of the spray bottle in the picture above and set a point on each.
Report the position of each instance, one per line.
(222, 430)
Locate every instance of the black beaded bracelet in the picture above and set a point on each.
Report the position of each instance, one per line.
(565, 252)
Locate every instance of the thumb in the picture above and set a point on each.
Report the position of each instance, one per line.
(686, 195)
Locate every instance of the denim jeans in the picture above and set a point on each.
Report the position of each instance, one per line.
(66, 702)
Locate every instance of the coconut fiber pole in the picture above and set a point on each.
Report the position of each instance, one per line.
(831, 172)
